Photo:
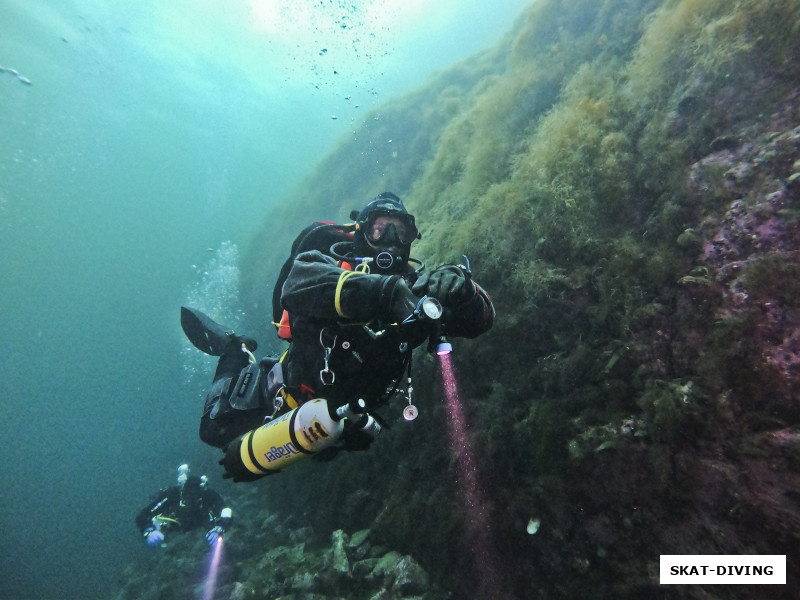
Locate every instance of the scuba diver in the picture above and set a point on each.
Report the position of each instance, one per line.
(184, 507)
(353, 304)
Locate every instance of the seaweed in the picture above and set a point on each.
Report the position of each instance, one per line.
(620, 175)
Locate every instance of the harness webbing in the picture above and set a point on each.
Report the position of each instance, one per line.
(339, 285)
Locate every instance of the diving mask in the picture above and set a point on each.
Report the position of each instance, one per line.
(386, 228)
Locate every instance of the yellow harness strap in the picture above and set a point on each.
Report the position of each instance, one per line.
(287, 397)
(339, 285)
(163, 518)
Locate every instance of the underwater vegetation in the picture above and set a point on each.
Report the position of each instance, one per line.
(624, 176)
(280, 557)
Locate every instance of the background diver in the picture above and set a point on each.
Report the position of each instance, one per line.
(183, 507)
(353, 304)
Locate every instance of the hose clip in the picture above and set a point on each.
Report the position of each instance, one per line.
(326, 376)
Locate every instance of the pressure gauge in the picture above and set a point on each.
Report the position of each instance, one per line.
(431, 308)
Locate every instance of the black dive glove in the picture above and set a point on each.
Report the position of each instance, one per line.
(221, 524)
(449, 284)
(398, 300)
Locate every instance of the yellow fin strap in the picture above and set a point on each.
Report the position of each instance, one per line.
(338, 298)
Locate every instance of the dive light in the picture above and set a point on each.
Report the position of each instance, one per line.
(443, 346)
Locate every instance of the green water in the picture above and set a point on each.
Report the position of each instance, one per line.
(138, 140)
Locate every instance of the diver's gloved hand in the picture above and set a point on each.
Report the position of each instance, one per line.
(402, 301)
(449, 284)
(153, 536)
(224, 519)
(213, 534)
(356, 439)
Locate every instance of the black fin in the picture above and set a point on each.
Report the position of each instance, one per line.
(205, 334)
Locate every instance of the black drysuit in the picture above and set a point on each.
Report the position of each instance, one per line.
(344, 346)
(363, 365)
(182, 508)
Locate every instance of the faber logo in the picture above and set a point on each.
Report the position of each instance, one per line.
(720, 568)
